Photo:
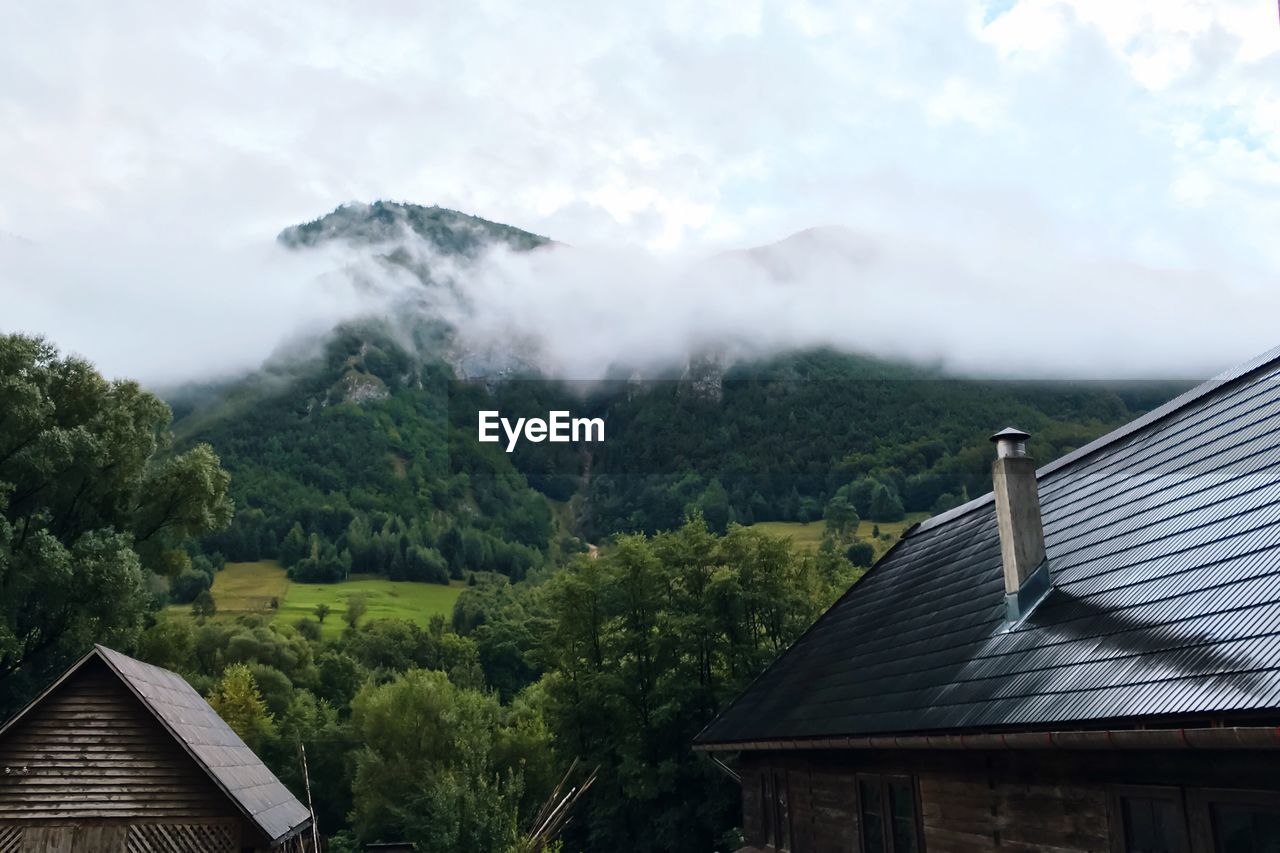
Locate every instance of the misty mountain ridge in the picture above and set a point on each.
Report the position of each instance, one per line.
(474, 271)
(444, 230)
(375, 421)
(442, 293)
(447, 293)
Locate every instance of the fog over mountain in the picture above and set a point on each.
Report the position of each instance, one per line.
(923, 300)
(1022, 304)
(1076, 186)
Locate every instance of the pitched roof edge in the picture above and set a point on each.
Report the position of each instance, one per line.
(40, 697)
(698, 738)
(703, 741)
(1186, 398)
(101, 652)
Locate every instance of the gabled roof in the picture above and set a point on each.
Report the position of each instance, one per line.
(219, 751)
(1164, 541)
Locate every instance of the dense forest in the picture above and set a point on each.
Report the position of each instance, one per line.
(365, 460)
(362, 457)
(450, 736)
(454, 735)
(616, 596)
(349, 463)
(778, 439)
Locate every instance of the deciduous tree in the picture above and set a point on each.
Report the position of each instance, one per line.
(430, 771)
(93, 499)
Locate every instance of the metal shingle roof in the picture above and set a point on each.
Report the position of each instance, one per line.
(1164, 540)
(233, 766)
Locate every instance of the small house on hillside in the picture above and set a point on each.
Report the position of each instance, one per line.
(1086, 659)
(119, 756)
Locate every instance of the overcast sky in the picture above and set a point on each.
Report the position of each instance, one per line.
(150, 151)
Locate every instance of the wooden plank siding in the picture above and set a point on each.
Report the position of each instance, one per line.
(92, 751)
(984, 802)
(74, 839)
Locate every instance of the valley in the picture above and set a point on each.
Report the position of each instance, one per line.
(514, 612)
(625, 428)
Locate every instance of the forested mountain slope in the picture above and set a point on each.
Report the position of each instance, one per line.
(353, 465)
(361, 455)
(777, 439)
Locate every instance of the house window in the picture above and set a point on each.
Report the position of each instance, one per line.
(1166, 820)
(1154, 823)
(1244, 823)
(889, 814)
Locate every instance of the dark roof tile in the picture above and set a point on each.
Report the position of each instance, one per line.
(1164, 540)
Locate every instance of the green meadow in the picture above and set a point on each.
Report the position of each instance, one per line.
(254, 587)
(385, 599)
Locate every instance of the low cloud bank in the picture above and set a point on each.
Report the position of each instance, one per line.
(166, 312)
(1036, 312)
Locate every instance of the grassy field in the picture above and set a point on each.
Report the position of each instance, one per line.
(417, 602)
(808, 535)
(251, 587)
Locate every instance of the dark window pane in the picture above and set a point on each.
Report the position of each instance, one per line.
(872, 814)
(1242, 828)
(1153, 825)
(902, 816)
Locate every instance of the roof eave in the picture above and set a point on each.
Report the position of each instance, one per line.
(1216, 737)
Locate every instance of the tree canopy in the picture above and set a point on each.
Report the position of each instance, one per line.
(93, 502)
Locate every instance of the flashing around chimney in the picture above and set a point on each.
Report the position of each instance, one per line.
(1033, 590)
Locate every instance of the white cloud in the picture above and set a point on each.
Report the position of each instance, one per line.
(1042, 310)
(169, 310)
(1140, 135)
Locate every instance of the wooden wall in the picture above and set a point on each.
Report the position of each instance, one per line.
(91, 755)
(985, 802)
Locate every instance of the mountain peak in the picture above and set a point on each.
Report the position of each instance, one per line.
(446, 230)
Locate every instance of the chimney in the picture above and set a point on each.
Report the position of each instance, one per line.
(1026, 568)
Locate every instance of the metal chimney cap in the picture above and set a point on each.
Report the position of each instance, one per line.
(1010, 442)
(1010, 434)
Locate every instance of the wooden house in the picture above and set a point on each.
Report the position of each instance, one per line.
(118, 756)
(1086, 659)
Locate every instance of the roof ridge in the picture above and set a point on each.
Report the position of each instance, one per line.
(1186, 398)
